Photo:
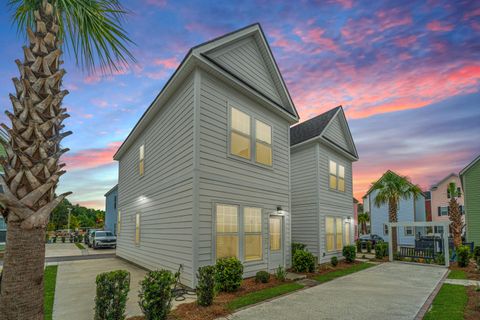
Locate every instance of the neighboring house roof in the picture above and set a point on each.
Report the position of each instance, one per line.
(317, 127)
(355, 200)
(202, 55)
(383, 175)
(111, 190)
(435, 186)
(470, 165)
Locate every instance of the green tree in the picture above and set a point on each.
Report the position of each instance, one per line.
(454, 214)
(92, 30)
(391, 188)
(363, 219)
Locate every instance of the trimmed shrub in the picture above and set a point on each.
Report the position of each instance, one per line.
(349, 253)
(80, 238)
(358, 243)
(111, 297)
(303, 261)
(476, 252)
(54, 239)
(297, 246)
(63, 239)
(262, 276)
(229, 273)
(463, 253)
(281, 273)
(206, 285)
(369, 246)
(381, 250)
(334, 261)
(440, 259)
(156, 294)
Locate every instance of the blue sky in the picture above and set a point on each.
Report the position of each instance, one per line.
(407, 74)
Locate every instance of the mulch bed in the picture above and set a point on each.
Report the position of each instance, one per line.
(472, 310)
(470, 270)
(327, 268)
(192, 311)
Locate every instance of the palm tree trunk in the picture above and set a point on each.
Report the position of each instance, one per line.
(392, 217)
(455, 217)
(32, 167)
(27, 277)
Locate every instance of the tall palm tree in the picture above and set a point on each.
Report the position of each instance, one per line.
(391, 188)
(455, 215)
(363, 218)
(91, 30)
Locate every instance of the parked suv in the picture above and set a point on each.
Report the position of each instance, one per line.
(103, 239)
(88, 237)
(373, 238)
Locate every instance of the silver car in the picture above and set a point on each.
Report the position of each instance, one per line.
(103, 239)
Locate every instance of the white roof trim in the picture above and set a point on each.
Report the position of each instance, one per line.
(471, 164)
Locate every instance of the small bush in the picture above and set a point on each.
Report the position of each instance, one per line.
(463, 253)
(229, 273)
(476, 253)
(111, 297)
(206, 285)
(349, 253)
(303, 261)
(381, 250)
(358, 243)
(478, 263)
(156, 294)
(262, 276)
(47, 237)
(334, 261)
(440, 259)
(297, 246)
(281, 273)
(369, 246)
(80, 238)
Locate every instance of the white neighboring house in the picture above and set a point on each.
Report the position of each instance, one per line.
(205, 173)
(322, 153)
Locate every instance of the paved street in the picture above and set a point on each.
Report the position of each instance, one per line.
(388, 291)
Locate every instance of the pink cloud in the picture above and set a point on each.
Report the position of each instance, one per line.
(347, 4)
(99, 103)
(438, 26)
(406, 41)
(169, 63)
(91, 158)
(158, 3)
(316, 37)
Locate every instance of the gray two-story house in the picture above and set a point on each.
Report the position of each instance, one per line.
(322, 153)
(111, 212)
(205, 173)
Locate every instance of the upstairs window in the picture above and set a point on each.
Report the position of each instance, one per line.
(240, 134)
(442, 211)
(337, 176)
(263, 143)
(115, 202)
(141, 163)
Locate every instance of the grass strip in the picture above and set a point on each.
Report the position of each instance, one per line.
(50, 280)
(449, 304)
(457, 274)
(340, 273)
(262, 295)
(79, 245)
(2, 247)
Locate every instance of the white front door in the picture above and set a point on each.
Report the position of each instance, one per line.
(276, 242)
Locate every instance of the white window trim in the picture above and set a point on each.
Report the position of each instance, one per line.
(141, 159)
(138, 218)
(253, 136)
(119, 221)
(385, 228)
(409, 228)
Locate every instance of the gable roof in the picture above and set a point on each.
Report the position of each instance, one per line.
(111, 190)
(198, 56)
(318, 126)
(471, 164)
(383, 175)
(434, 186)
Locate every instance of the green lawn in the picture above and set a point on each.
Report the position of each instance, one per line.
(79, 245)
(340, 273)
(50, 280)
(262, 295)
(449, 304)
(457, 274)
(2, 247)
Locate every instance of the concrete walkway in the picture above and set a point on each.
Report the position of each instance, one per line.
(463, 282)
(387, 291)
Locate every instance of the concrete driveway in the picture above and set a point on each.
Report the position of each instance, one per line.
(388, 291)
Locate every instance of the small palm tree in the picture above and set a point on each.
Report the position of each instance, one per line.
(92, 30)
(391, 188)
(455, 215)
(363, 219)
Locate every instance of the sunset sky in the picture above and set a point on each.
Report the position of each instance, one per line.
(406, 72)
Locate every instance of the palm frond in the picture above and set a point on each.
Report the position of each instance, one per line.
(90, 29)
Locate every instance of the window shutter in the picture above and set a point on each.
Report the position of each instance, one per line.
(439, 211)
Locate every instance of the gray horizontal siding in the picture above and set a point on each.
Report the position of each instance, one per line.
(164, 195)
(335, 132)
(305, 197)
(223, 179)
(245, 61)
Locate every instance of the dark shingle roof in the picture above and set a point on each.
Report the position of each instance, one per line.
(311, 128)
